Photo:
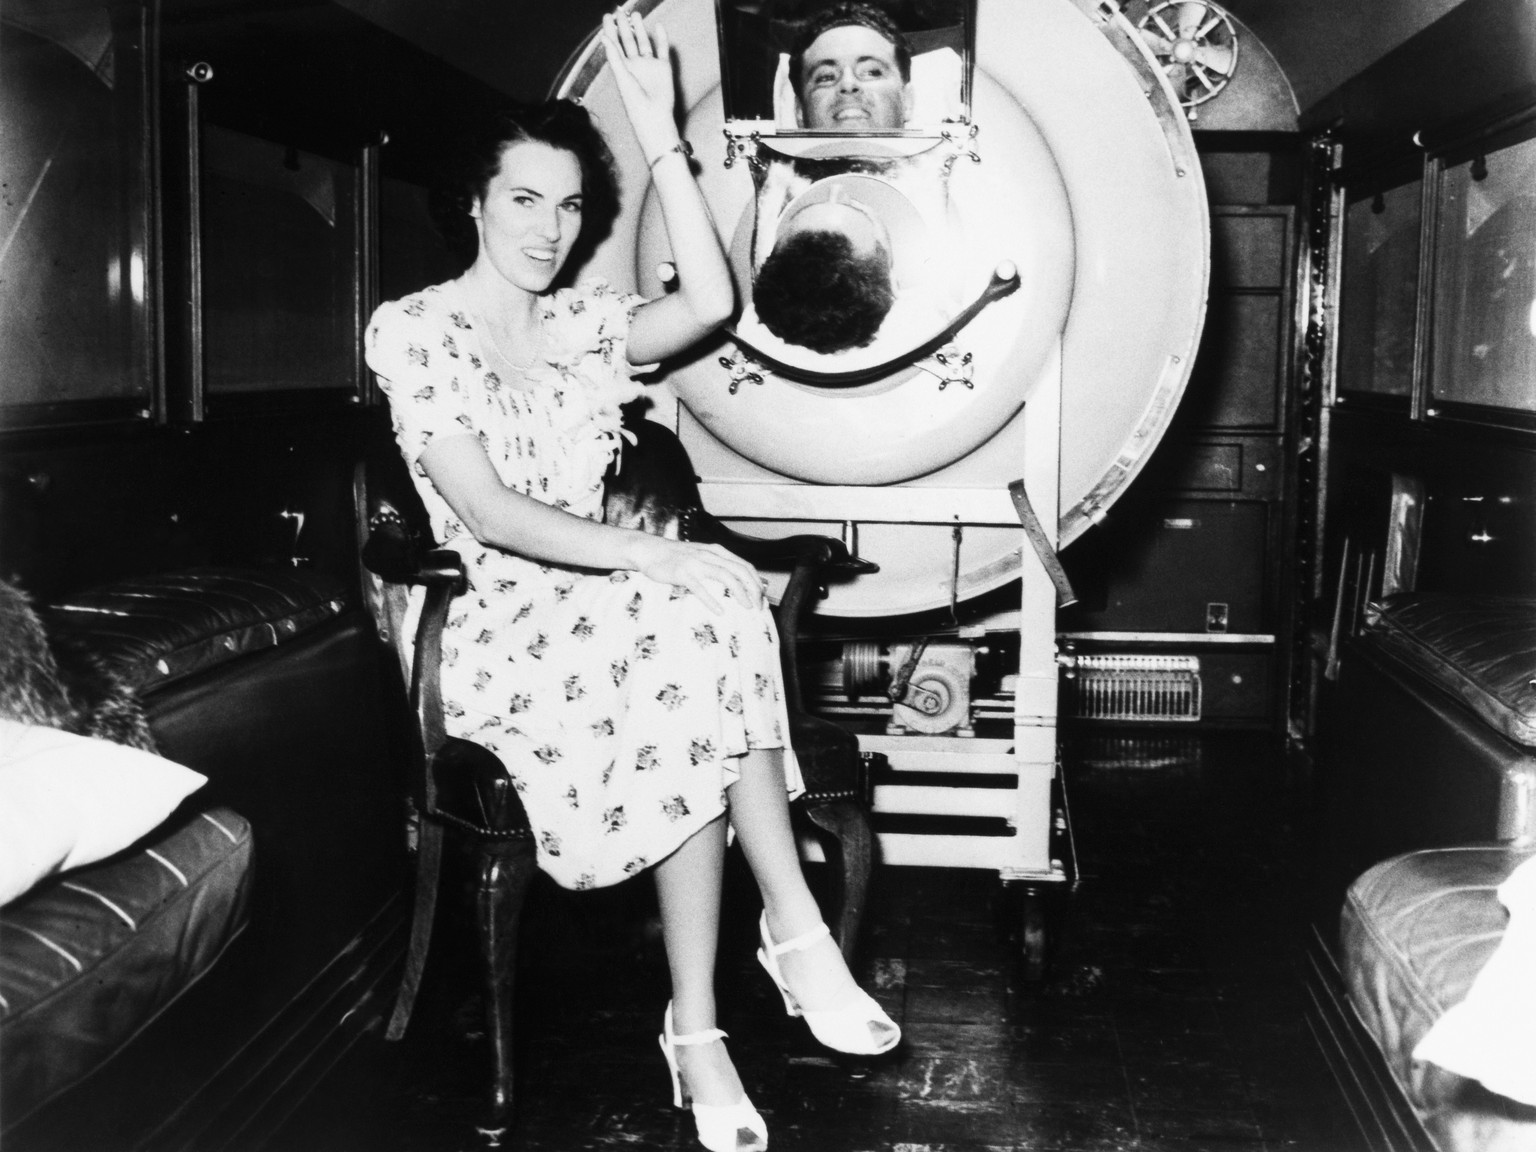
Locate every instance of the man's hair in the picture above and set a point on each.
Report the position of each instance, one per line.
(816, 291)
(840, 16)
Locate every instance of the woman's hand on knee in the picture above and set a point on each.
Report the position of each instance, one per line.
(709, 571)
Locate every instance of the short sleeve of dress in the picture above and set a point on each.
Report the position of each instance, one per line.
(592, 325)
(407, 348)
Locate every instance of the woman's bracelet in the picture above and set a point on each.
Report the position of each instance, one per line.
(682, 148)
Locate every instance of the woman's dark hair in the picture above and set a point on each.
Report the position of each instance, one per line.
(816, 291)
(561, 124)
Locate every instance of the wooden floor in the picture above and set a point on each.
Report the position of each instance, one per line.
(1172, 1016)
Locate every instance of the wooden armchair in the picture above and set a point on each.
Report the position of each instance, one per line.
(464, 790)
(461, 787)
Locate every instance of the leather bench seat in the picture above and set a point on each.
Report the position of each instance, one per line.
(1480, 649)
(1429, 740)
(155, 630)
(90, 958)
(1414, 932)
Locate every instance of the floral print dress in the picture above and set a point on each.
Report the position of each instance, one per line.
(619, 705)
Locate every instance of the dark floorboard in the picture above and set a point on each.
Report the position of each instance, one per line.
(1172, 1017)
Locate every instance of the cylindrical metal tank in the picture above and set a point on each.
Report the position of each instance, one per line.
(1086, 180)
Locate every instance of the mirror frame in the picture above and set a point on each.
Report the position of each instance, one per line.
(745, 131)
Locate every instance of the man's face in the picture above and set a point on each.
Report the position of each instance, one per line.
(852, 83)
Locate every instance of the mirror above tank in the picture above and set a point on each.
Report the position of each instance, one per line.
(846, 78)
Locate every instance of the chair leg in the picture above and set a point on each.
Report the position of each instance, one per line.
(429, 862)
(848, 823)
(505, 870)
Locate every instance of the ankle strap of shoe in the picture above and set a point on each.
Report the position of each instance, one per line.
(803, 941)
(704, 1037)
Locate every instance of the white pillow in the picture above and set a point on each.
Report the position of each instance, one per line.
(70, 800)
(1491, 1035)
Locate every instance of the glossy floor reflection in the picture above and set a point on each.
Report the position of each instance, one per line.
(1172, 1017)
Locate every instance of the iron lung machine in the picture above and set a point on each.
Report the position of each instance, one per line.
(1050, 224)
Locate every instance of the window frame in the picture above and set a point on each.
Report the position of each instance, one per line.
(1358, 187)
(1434, 153)
(1502, 133)
(191, 105)
(133, 48)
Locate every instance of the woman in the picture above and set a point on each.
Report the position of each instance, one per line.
(629, 682)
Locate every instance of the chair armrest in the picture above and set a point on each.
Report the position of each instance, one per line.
(393, 553)
(826, 553)
(810, 560)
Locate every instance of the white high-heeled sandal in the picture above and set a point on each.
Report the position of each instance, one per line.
(722, 1127)
(859, 1027)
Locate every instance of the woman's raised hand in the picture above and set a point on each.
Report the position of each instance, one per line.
(705, 297)
(642, 67)
(707, 570)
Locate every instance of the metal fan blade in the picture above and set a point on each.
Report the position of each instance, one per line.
(1178, 76)
(1191, 15)
(1204, 78)
(1216, 57)
(1160, 45)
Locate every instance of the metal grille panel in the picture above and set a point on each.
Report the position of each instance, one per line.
(1116, 687)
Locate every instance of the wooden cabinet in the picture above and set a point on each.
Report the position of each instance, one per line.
(1194, 560)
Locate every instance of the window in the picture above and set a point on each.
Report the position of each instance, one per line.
(73, 276)
(280, 266)
(1485, 281)
(1380, 287)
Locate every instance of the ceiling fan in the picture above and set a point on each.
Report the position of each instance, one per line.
(1196, 44)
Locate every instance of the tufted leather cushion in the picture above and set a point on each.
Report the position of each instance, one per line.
(154, 630)
(1480, 649)
(91, 958)
(1415, 930)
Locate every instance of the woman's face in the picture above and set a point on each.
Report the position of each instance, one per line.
(530, 214)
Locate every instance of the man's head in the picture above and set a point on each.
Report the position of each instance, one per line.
(827, 284)
(850, 68)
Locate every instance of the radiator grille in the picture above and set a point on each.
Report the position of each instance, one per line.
(1112, 687)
